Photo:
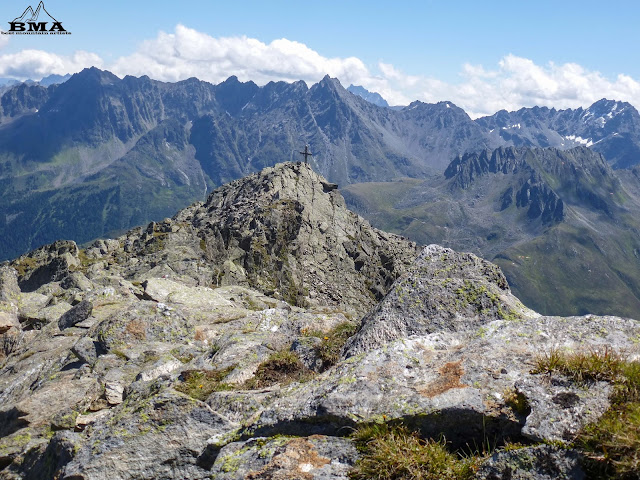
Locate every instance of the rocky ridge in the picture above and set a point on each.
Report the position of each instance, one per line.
(147, 356)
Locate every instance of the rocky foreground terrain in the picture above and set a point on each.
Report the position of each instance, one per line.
(251, 335)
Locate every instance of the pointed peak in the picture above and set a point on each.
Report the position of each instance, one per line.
(104, 77)
(328, 81)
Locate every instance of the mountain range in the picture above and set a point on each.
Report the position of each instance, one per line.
(95, 155)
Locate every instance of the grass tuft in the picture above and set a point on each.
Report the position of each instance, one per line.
(281, 367)
(612, 443)
(332, 343)
(393, 452)
(199, 384)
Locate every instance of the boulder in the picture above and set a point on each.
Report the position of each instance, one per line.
(77, 314)
(86, 350)
(458, 383)
(442, 291)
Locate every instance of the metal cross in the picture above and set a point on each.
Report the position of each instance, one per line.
(306, 153)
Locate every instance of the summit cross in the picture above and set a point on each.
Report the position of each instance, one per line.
(306, 153)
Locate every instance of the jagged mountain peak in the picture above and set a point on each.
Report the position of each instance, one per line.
(329, 83)
(104, 77)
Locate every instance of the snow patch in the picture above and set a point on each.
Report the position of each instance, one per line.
(587, 142)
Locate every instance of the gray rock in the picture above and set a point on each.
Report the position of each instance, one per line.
(280, 231)
(442, 291)
(9, 288)
(37, 319)
(77, 314)
(50, 263)
(306, 349)
(113, 393)
(8, 321)
(456, 383)
(77, 280)
(166, 438)
(85, 349)
(542, 462)
(64, 420)
(311, 458)
(559, 407)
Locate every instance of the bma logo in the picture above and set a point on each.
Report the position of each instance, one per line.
(38, 22)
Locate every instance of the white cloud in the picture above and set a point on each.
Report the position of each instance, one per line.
(516, 82)
(513, 83)
(189, 53)
(35, 64)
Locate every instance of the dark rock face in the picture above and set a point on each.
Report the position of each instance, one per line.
(574, 174)
(50, 263)
(23, 99)
(77, 314)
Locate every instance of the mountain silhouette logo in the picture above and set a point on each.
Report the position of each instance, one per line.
(30, 16)
(36, 22)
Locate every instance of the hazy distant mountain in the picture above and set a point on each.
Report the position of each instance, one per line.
(54, 79)
(609, 127)
(371, 97)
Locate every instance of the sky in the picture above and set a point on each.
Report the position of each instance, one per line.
(481, 55)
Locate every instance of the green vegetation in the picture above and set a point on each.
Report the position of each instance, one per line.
(281, 367)
(199, 384)
(332, 343)
(517, 401)
(612, 444)
(394, 452)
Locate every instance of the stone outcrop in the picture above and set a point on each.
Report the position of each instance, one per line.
(442, 291)
(173, 372)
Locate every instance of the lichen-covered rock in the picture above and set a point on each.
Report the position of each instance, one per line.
(86, 350)
(160, 436)
(9, 288)
(459, 383)
(285, 458)
(542, 462)
(50, 263)
(442, 291)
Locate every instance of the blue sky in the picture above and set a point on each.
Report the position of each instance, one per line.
(408, 50)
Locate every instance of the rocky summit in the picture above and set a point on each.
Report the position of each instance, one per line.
(258, 334)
